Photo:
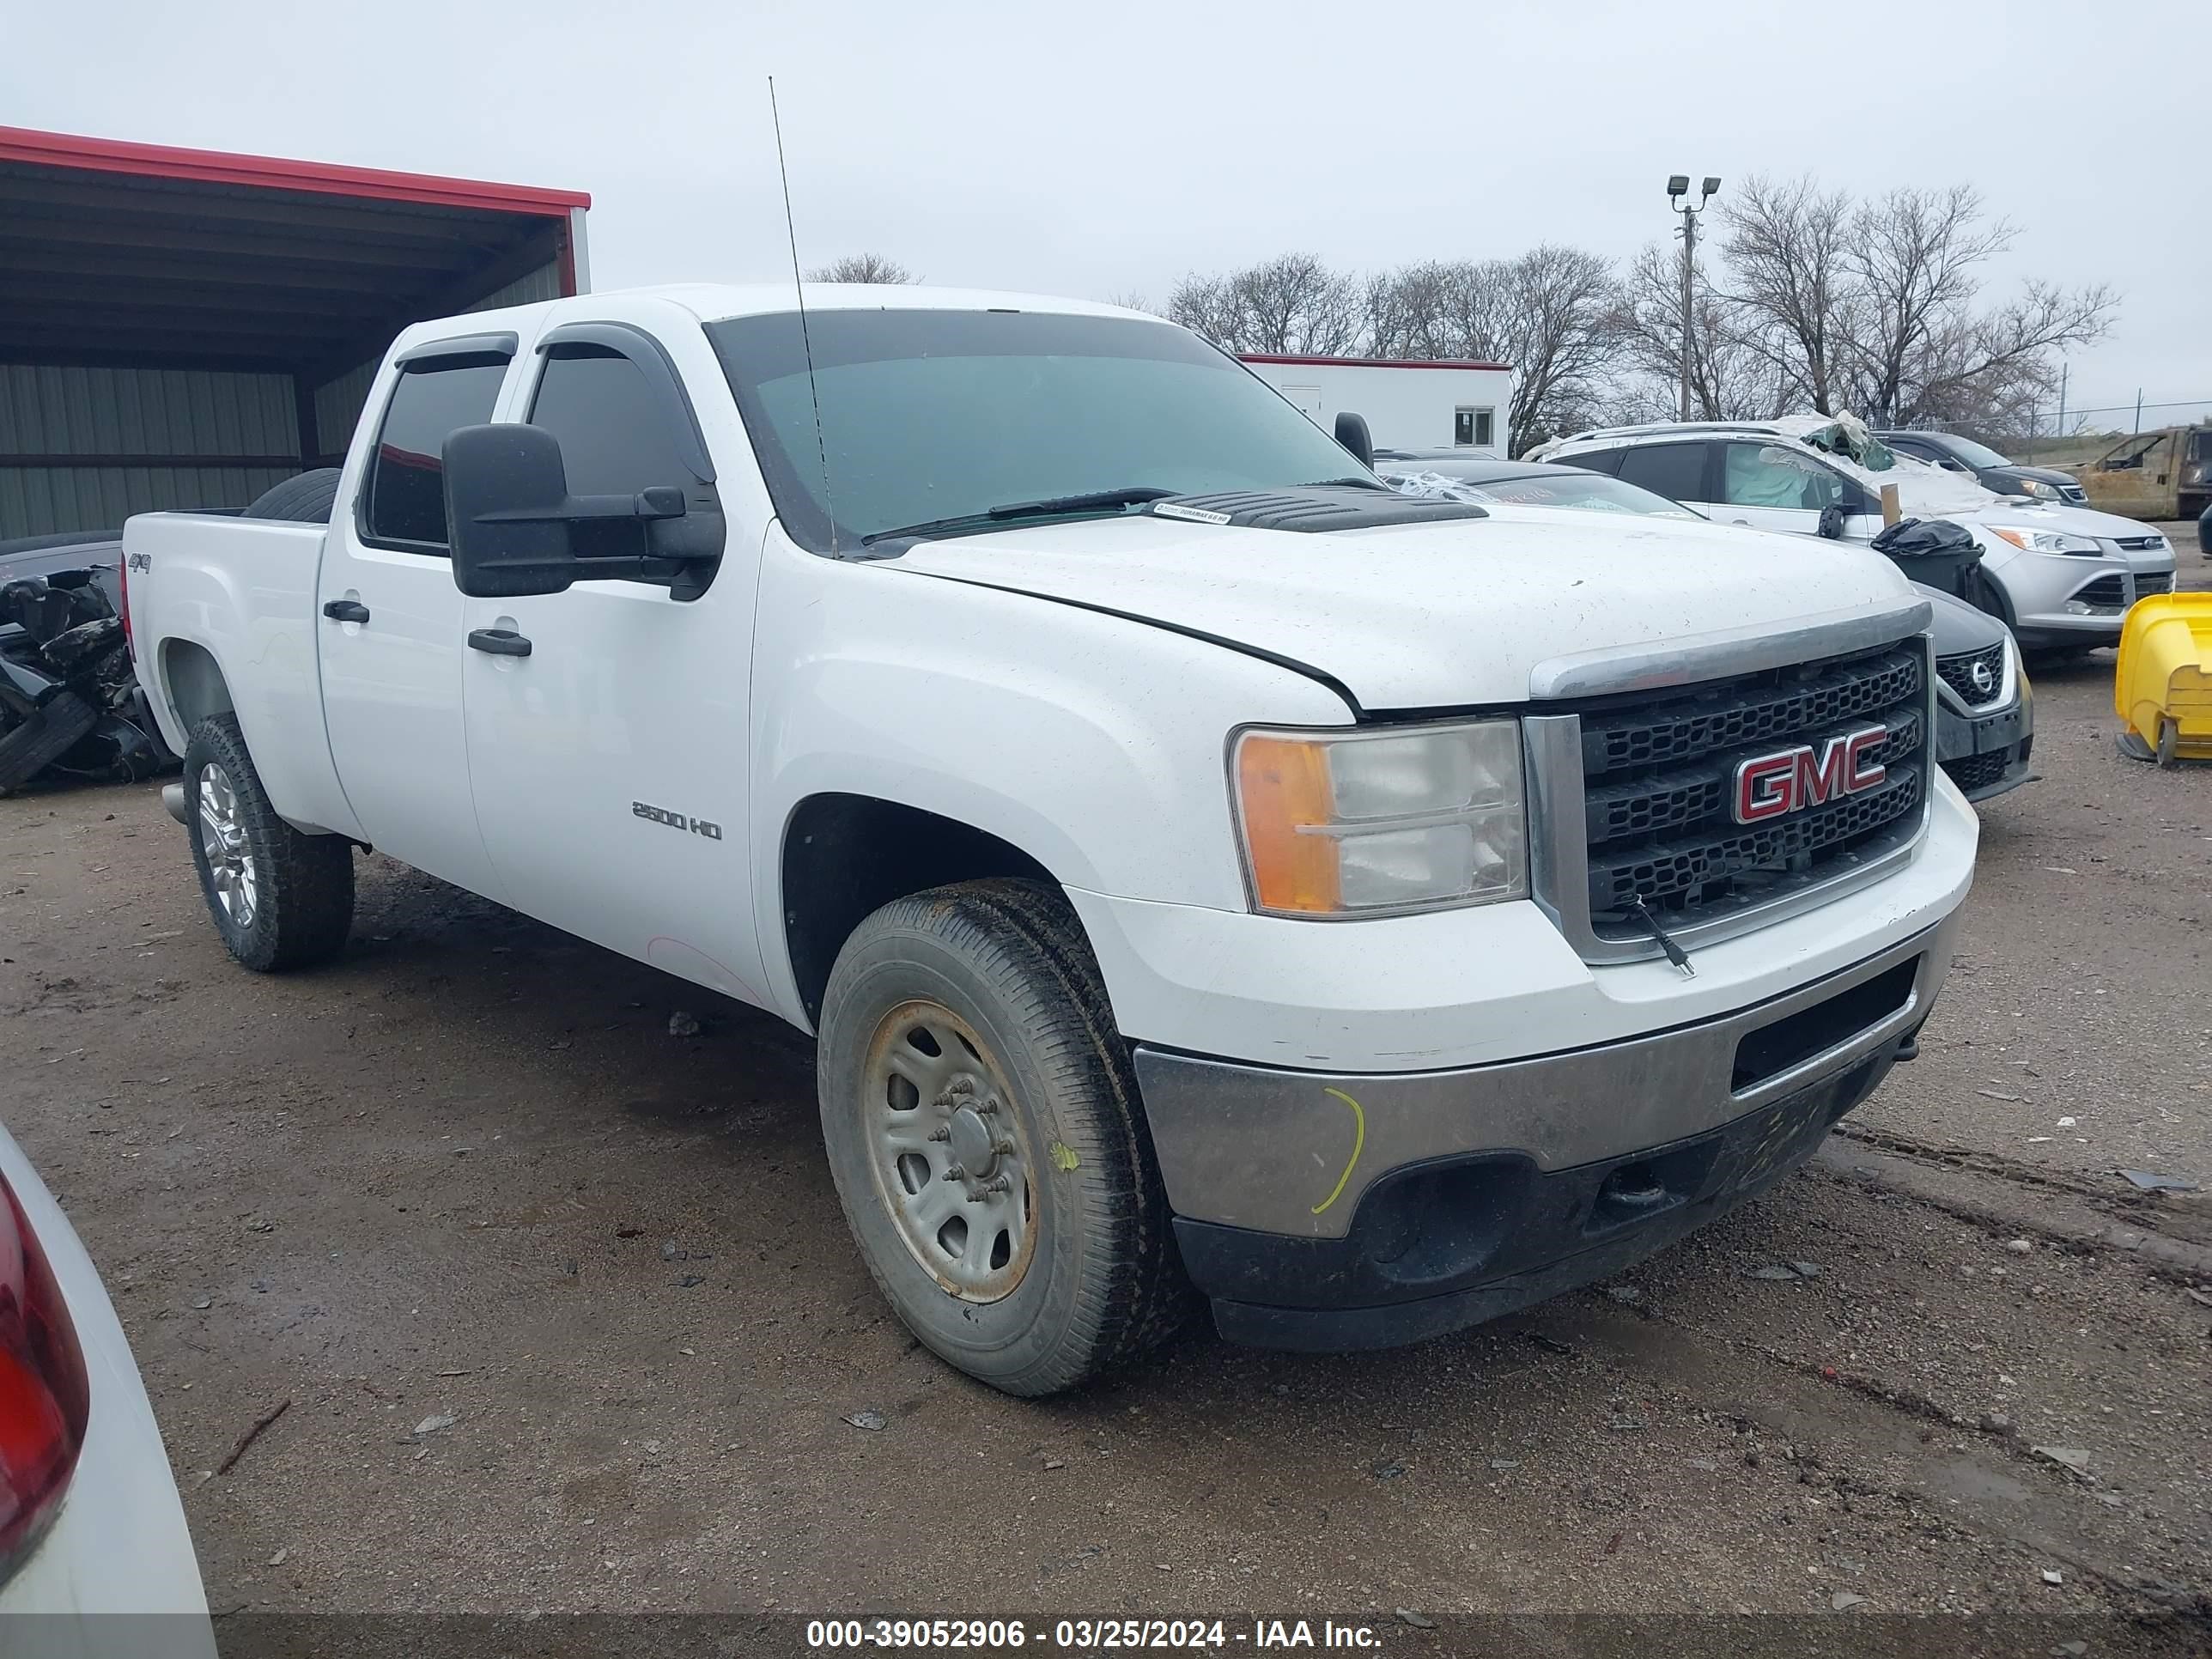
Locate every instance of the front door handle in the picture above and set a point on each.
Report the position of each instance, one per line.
(500, 642)
(352, 610)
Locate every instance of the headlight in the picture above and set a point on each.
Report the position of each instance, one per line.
(2049, 492)
(2044, 541)
(1369, 824)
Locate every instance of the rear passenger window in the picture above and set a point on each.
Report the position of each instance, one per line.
(1674, 471)
(406, 486)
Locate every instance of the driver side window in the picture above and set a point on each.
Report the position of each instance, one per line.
(617, 439)
(1768, 475)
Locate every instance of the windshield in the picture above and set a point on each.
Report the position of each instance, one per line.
(1556, 487)
(1972, 453)
(934, 415)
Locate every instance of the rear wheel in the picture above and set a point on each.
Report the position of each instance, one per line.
(280, 898)
(983, 1126)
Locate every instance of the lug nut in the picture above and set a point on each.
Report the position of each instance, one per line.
(1003, 1148)
(940, 1132)
(954, 1172)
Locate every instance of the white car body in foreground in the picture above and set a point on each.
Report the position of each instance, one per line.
(114, 1575)
(1298, 763)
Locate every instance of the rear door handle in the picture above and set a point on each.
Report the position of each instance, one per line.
(350, 611)
(500, 642)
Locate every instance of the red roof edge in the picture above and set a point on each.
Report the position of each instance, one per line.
(65, 149)
(1373, 362)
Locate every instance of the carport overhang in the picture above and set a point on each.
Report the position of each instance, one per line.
(143, 255)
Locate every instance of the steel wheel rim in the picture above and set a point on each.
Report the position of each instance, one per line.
(949, 1155)
(231, 869)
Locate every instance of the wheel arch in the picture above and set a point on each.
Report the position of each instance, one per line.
(844, 856)
(195, 684)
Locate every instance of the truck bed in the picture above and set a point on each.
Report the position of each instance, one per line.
(243, 591)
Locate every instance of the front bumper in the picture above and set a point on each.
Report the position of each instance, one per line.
(1328, 1212)
(1985, 754)
(2042, 587)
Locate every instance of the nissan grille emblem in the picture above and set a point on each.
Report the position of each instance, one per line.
(1983, 677)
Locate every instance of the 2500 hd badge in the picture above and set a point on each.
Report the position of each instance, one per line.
(676, 820)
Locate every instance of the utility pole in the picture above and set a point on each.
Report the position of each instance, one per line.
(2062, 399)
(2138, 425)
(1678, 190)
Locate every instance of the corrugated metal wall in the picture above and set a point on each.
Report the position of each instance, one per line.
(337, 403)
(52, 411)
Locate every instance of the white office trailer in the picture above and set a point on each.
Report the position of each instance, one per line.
(1408, 405)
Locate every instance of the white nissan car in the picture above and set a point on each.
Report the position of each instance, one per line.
(95, 1562)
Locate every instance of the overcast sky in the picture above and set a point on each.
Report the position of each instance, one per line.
(1107, 150)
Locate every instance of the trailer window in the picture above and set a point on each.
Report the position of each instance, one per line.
(405, 493)
(1474, 426)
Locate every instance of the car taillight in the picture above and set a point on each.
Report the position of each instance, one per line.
(128, 644)
(45, 1400)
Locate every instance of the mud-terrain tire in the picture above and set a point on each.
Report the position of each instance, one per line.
(55, 728)
(306, 499)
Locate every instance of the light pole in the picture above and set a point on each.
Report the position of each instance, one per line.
(1678, 191)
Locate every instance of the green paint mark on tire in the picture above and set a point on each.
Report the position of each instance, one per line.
(1063, 1156)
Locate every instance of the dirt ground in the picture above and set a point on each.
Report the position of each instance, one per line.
(567, 1317)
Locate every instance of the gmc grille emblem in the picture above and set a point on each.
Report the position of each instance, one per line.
(1777, 784)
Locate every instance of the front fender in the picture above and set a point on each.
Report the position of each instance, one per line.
(1095, 744)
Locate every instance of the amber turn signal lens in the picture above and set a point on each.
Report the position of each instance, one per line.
(1283, 788)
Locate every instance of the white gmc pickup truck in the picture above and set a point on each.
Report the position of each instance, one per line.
(1201, 866)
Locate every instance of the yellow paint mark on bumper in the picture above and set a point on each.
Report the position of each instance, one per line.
(1358, 1144)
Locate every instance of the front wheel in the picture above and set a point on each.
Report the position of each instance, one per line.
(280, 898)
(984, 1129)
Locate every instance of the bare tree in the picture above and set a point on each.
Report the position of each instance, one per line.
(1874, 307)
(863, 268)
(1788, 249)
(1920, 343)
(1553, 314)
(1130, 299)
(1292, 304)
(1732, 378)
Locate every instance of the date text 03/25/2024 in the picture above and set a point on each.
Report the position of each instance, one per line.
(1084, 1635)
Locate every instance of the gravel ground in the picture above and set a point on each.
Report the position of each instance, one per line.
(567, 1317)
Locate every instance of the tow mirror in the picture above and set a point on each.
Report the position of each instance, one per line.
(514, 528)
(1352, 433)
(1832, 518)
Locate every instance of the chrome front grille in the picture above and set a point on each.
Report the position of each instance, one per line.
(1636, 797)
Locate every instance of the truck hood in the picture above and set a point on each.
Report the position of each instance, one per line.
(1428, 615)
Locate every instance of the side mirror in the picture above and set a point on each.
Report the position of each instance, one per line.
(514, 526)
(1352, 433)
(1832, 518)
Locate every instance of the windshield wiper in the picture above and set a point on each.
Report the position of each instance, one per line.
(1346, 483)
(1091, 501)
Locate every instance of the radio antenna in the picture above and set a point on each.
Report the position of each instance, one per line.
(806, 339)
